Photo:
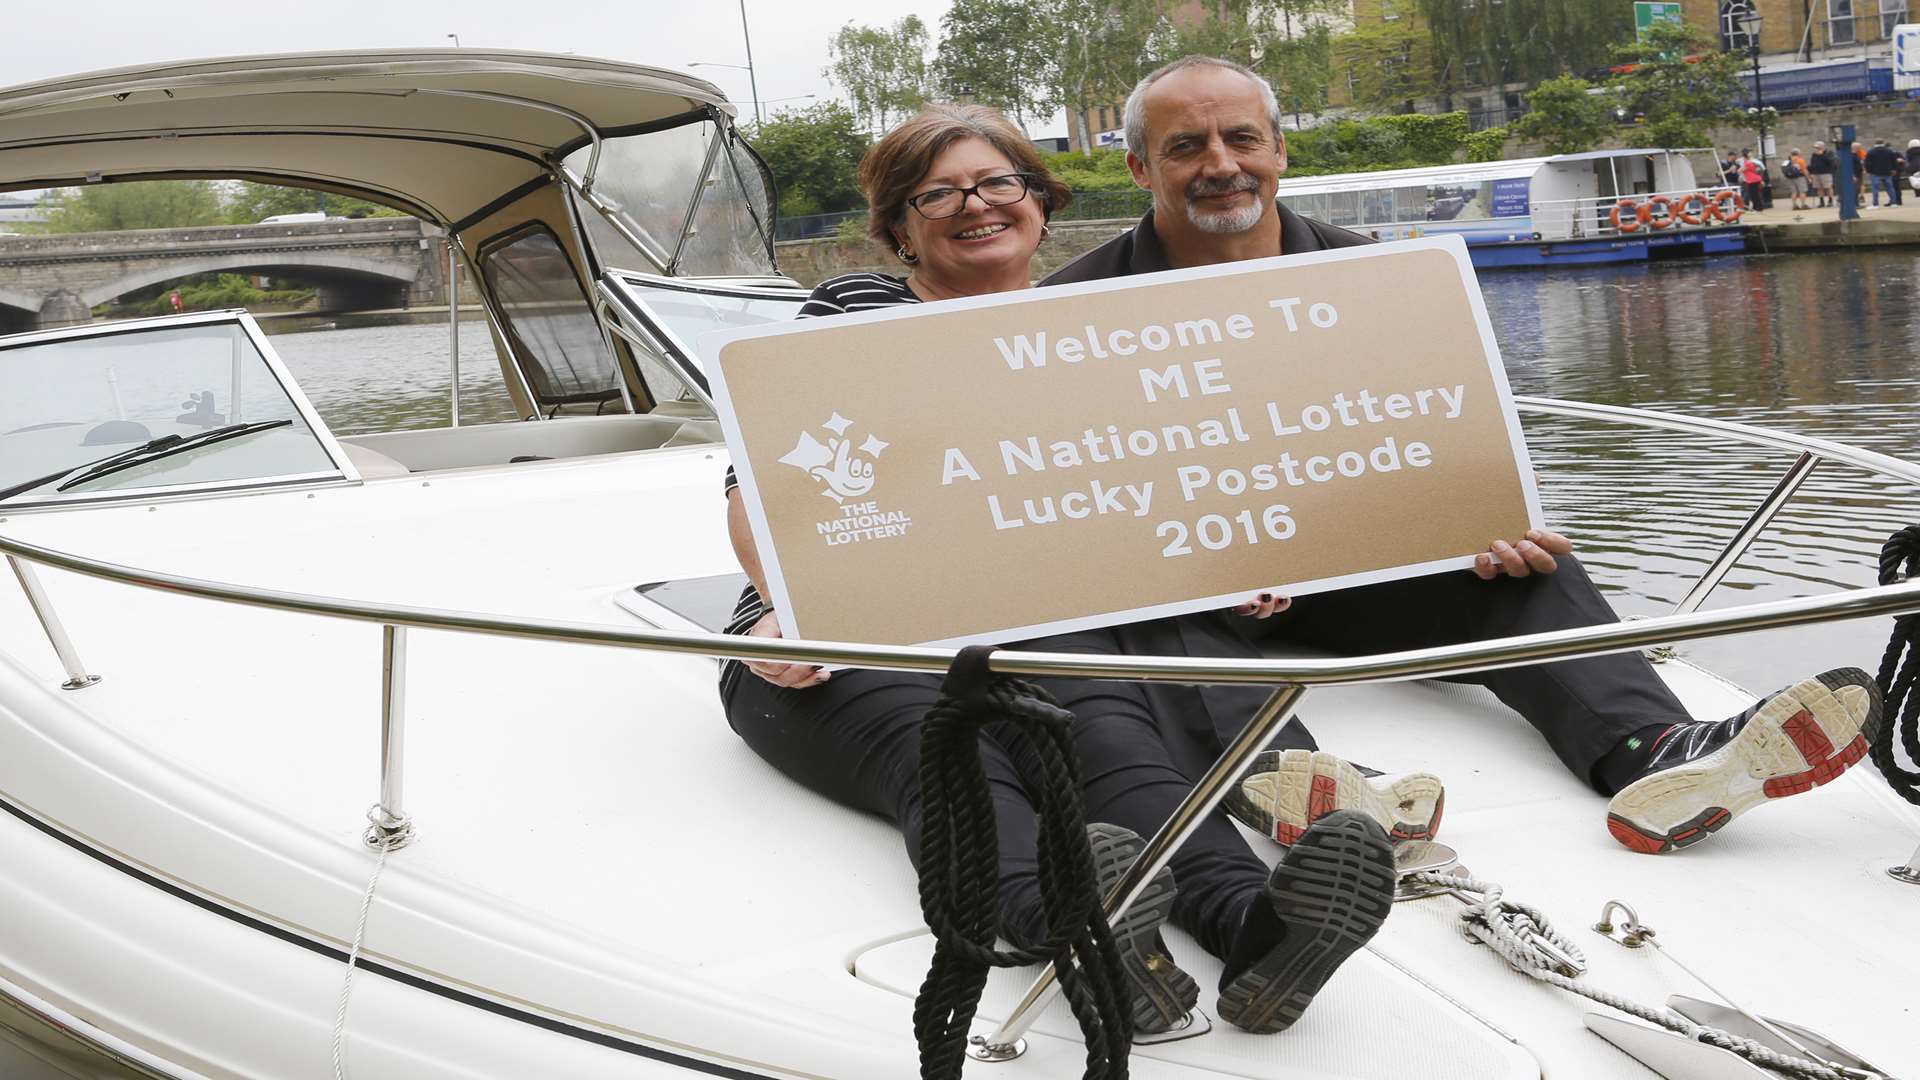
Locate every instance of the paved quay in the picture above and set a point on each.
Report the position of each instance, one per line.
(1786, 229)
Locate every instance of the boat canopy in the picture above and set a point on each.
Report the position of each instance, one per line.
(446, 134)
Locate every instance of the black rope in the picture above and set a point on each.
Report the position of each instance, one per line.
(959, 872)
(1900, 561)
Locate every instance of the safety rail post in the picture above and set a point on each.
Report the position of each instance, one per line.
(1005, 1044)
(453, 328)
(391, 828)
(1910, 873)
(77, 676)
(1744, 537)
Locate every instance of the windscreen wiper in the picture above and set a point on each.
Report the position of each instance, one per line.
(161, 447)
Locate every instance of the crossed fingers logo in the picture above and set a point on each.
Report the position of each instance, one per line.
(834, 463)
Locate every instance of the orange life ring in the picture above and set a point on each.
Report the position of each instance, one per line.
(1684, 209)
(1632, 216)
(1718, 202)
(1664, 218)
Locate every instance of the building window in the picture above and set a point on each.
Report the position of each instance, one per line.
(1840, 22)
(1387, 10)
(1732, 37)
(1892, 14)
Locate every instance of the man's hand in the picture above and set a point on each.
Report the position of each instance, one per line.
(1264, 606)
(791, 676)
(1533, 555)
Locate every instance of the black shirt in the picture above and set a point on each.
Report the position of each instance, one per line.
(1139, 251)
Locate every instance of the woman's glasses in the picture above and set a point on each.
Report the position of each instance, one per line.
(947, 201)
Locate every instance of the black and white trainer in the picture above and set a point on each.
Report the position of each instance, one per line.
(1162, 994)
(1331, 892)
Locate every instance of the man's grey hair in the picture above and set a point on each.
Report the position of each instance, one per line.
(1134, 116)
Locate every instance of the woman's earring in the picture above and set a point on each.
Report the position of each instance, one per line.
(1046, 230)
(906, 256)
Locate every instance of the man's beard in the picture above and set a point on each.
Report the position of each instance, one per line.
(1224, 221)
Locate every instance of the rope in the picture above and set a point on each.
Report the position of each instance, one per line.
(386, 843)
(1515, 931)
(1900, 701)
(959, 872)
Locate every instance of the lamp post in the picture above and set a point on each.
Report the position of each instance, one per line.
(1748, 20)
(753, 82)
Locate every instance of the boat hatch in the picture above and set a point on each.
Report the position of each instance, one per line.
(71, 398)
(663, 319)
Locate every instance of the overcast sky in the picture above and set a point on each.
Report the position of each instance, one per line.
(41, 39)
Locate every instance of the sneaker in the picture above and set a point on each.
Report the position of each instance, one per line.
(1287, 790)
(1701, 775)
(1162, 994)
(1331, 892)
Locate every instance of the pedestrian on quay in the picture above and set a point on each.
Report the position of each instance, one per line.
(1730, 169)
(1752, 181)
(1859, 175)
(1820, 170)
(1880, 172)
(1913, 164)
(1795, 170)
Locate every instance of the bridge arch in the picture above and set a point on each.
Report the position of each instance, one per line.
(18, 311)
(397, 273)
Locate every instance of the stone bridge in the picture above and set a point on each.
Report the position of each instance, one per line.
(369, 263)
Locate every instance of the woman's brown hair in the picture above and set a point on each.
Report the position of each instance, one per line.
(896, 164)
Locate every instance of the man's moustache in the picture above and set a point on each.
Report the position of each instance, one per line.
(1203, 190)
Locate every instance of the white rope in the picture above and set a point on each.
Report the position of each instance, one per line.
(1515, 931)
(385, 845)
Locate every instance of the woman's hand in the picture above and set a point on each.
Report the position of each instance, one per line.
(791, 676)
(1264, 606)
(1533, 555)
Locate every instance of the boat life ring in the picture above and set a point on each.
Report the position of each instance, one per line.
(1726, 205)
(1626, 216)
(1684, 208)
(1658, 212)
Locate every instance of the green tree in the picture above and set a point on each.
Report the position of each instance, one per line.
(884, 71)
(1566, 115)
(1680, 83)
(1297, 59)
(1391, 63)
(1103, 51)
(252, 202)
(1478, 44)
(151, 204)
(814, 153)
(994, 52)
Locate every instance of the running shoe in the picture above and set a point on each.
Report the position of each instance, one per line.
(1331, 893)
(1162, 994)
(1702, 775)
(1287, 790)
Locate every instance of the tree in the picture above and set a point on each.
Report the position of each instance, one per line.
(1103, 51)
(151, 204)
(1563, 112)
(1679, 83)
(814, 153)
(884, 71)
(993, 52)
(1390, 65)
(253, 202)
(1478, 44)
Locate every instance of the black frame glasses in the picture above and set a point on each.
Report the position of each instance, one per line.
(921, 202)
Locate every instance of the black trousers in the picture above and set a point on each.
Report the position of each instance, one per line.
(1583, 707)
(856, 740)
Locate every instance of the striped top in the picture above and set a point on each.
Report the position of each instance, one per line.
(835, 296)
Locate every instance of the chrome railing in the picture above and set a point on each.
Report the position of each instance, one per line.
(1574, 219)
(1292, 677)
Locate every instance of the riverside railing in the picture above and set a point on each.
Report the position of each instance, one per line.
(1292, 677)
(1586, 218)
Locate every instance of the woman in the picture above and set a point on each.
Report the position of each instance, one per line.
(1751, 181)
(962, 199)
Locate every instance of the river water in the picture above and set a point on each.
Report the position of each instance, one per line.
(1823, 345)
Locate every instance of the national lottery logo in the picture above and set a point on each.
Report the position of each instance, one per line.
(845, 475)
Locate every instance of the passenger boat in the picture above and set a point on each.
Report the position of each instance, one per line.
(1607, 206)
(226, 644)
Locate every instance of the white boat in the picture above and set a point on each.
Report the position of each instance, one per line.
(215, 660)
(1605, 206)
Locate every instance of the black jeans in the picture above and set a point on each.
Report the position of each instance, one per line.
(1583, 707)
(856, 740)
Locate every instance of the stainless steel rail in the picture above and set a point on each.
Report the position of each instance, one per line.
(1748, 532)
(77, 677)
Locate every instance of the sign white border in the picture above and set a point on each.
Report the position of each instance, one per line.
(712, 342)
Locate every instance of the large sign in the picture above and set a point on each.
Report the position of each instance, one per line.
(1648, 15)
(1001, 467)
(1906, 56)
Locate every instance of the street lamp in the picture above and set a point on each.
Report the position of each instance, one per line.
(1747, 20)
(752, 81)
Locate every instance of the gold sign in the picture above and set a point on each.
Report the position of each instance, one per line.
(1000, 467)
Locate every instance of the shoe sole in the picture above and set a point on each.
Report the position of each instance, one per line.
(1333, 891)
(1287, 790)
(1804, 737)
(1162, 994)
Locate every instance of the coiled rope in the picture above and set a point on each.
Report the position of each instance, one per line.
(1900, 561)
(1515, 932)
(959, 872)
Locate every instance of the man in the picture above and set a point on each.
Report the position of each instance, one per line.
(1203, 135)
(1820, 171)
(1880, 173)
